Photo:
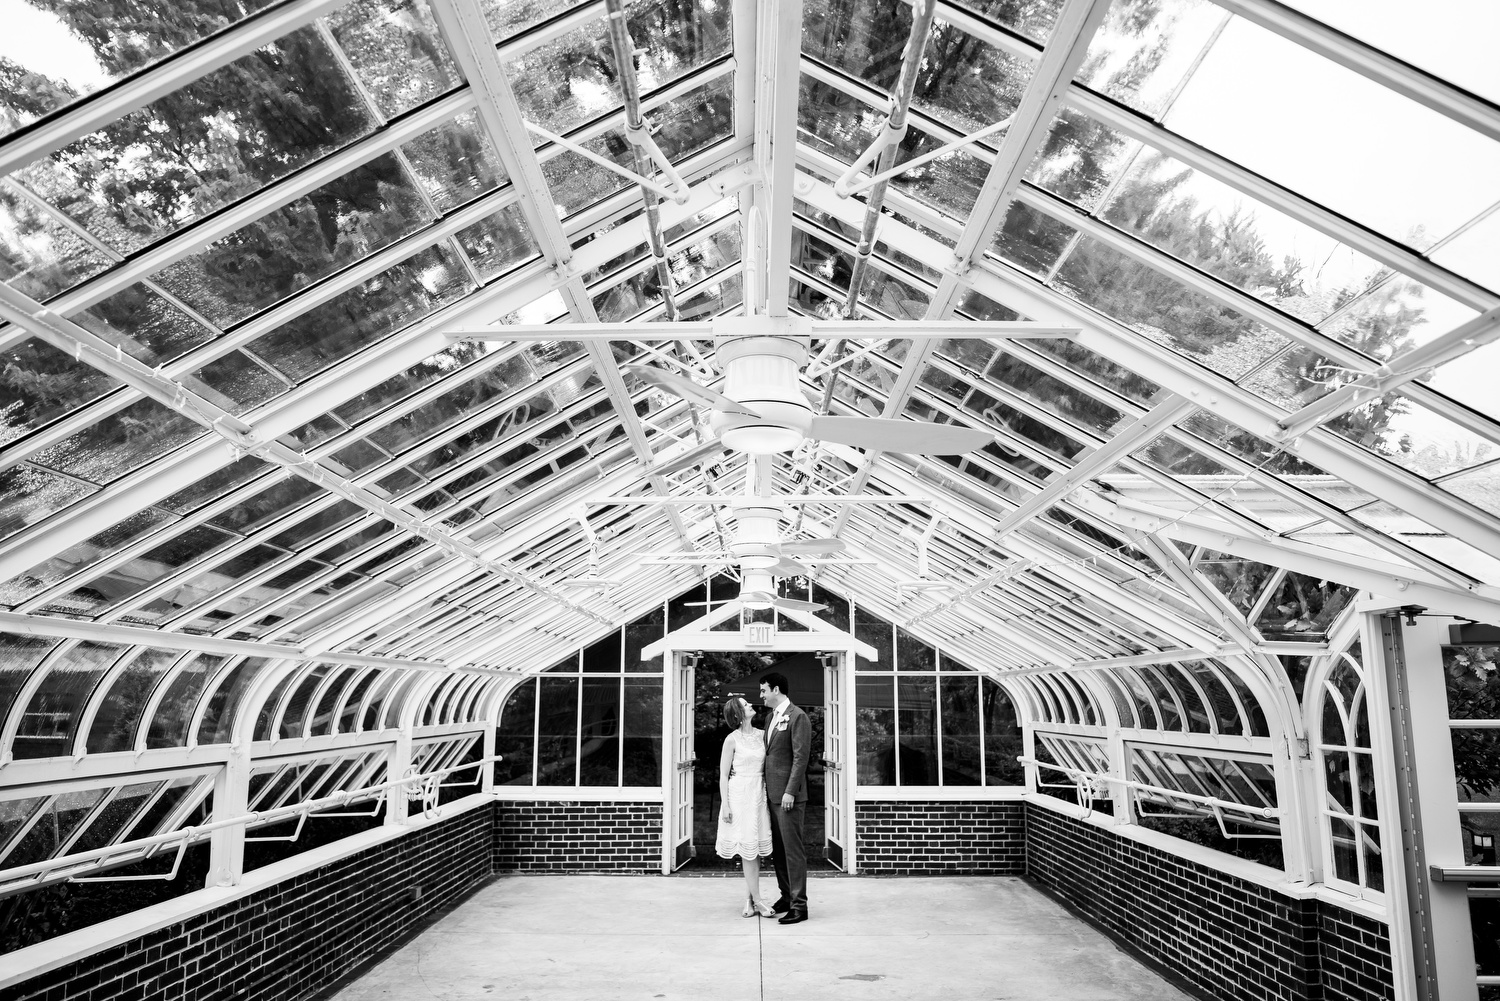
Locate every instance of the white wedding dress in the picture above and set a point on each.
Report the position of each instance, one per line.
(749, 833)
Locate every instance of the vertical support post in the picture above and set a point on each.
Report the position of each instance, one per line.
(1119, 766)
(1434, 812)
(487, 749)
(1028, 750)
(668, 756)
(851, 759)
(397, 761)
(226, 846)
(1406, 884)
(782, 61)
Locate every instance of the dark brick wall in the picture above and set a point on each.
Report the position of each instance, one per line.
(941, 838)
(1355, 955)
(578, 837)
(1226, 937)
(290, 940)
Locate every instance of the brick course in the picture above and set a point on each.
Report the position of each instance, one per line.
(1226, 937)
(578, 837)
(290, 940)
(939, 838)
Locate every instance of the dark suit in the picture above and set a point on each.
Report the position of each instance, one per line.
(788, 748)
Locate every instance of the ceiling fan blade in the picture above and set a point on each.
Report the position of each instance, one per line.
(787, 568)
(912, 437)
(705, 452)
(813, 547)
(687, 388)
(793, 605)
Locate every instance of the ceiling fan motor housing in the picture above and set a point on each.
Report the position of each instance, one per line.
(756, 588)
(760, 372)
(757, 529)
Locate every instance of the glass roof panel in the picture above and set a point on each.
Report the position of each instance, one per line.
(1332, 132)
(564, 83)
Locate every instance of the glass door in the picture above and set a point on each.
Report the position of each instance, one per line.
(835, 782)
(683, 761)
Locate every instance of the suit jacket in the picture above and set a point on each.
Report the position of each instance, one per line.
(788, 749)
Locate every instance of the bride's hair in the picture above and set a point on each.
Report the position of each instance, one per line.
(734, 715)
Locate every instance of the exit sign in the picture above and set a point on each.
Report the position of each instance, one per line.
(759, 633)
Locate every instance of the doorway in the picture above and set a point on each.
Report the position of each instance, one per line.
(715, 676)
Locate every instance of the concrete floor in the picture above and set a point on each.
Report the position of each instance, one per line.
(540, 938)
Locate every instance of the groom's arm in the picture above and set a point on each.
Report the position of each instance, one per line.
(801, 729)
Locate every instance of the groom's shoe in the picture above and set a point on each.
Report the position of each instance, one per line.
(782, 905)
(793, 917)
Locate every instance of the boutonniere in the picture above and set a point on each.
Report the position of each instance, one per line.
(782, 724)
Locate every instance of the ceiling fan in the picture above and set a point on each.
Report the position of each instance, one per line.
(762, 409)
(763, 556)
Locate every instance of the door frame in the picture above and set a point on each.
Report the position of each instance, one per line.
(699, 635)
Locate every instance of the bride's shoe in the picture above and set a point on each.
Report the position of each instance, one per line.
(763, 909)
(749, 911)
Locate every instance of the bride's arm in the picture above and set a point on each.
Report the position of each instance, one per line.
(726, 762)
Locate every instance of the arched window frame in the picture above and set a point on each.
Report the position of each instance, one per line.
(1360, 812)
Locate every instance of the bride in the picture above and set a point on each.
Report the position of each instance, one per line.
(745, 821)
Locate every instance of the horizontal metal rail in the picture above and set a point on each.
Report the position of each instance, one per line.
(1098, 777)
(36, 874)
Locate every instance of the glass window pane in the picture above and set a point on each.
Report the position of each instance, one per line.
(557, 734)
(642, 732)
(912, 654)
(916, 700)
(599, 739)
(206, 144)
(63, 815)
(28, 495)
(295, 714)
(1002, 737)
(962, 753)
(119, 716)
(48, 725)
(878, 633)
(224, 705)
(875, 730)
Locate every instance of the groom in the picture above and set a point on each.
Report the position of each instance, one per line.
(788, 744)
